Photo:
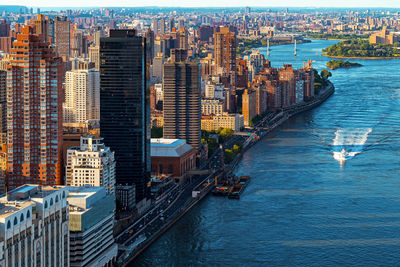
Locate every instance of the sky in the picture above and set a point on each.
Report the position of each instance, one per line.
(205, 3)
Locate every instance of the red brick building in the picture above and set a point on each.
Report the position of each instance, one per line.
(34, 112)
(285, 86)
(173, 157)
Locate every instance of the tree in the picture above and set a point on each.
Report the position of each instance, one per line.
(226, 132)
(229, 155)
(325, 74)
(157, 132)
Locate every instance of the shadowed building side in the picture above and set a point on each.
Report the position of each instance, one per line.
(182, 106)
(124, 108)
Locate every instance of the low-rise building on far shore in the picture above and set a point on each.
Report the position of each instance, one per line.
(384, 37)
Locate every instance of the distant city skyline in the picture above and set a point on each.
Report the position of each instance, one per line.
(208, 3)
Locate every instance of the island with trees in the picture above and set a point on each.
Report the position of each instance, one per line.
(359, 48)
(338, 64)
(336, 36)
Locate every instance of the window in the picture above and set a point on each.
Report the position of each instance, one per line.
(8, 225)
(21, 219)
(51, 202)
(15, 221)
(63, 194)
(45, 205)
(56, 199)
(28, 214)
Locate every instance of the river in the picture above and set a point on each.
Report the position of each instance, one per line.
(304, 206)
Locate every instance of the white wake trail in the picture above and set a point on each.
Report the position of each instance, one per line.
(349, 142)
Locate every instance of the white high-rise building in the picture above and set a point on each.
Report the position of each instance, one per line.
(159, 92)
(34, 227)
(214, 90)
(82, 93)
(94, 56)
(91, 164)
(91, 214)
(211, 106)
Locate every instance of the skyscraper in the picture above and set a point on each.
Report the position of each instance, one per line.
(94, 56)
(182, 107)
(62, 36)
(161, 26)
(3, 102)
(41, 25)
(225, 50)
(97, 35)
(183, 38)
(124, 107)
(77, 43)
(155, 25)
(82, 93)
(34, 106)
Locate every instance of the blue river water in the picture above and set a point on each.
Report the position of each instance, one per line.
(304, 206)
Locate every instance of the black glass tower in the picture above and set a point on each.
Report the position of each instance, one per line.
(124, 107)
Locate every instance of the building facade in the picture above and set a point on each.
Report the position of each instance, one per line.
(34, 106)
(91, 221)
(171, 157)
(229, 121)
(234, 122)
(91, 164)
(94, 56)
(182, 107)
(384, 37)
(62, 37)
(249, 106)
(34, 226)
(125, 195)
(3, 102)
(82, 93)
(211, 106)
(214, 90)
(124, 107)
(225, 50)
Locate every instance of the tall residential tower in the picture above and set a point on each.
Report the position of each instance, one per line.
(182, 106)
(34, 112)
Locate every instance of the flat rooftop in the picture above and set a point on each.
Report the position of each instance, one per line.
(161, 147)
(166, 142)
(82, 191)
(27, 191)
(10, 207)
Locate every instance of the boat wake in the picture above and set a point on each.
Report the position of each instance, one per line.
(349, 142)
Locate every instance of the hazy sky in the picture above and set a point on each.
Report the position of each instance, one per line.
(205, 3)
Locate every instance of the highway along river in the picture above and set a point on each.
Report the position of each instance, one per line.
(305, 205)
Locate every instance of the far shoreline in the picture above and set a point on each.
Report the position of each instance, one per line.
(326, 39)
(370, 58)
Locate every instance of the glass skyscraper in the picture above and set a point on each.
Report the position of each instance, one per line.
(124, 107)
